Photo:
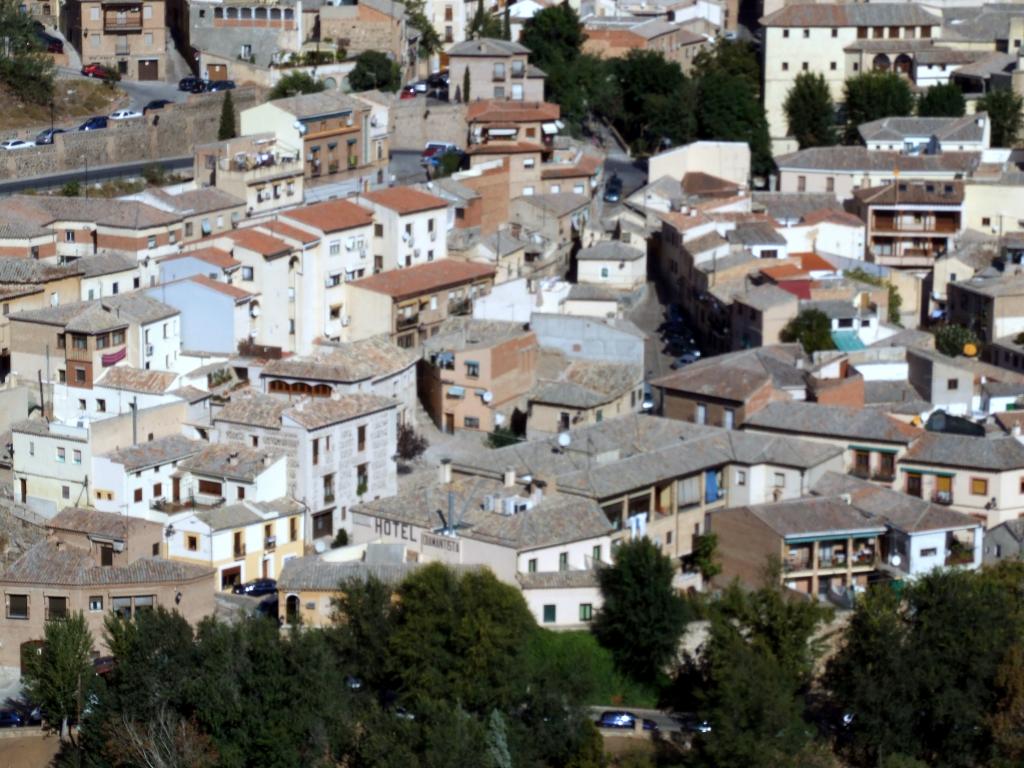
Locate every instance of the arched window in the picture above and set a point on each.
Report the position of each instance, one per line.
(291, 609)
(321, 390)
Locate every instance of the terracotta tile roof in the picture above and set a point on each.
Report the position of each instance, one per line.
(424, 278)
(859, 159)
(492, 110)
(682, 221)
(122, 214)
(232, 460)
(833, 216)
(137, 380)
(374, 358)
(283, 229)
(314, 413)
(913, 193)
(260, 242)
(236, 293)
(787, 271)
(107, 264)
(15, 270)
(156, 452)
(852, 15)
(332, 215)
(253, 409)
(588, 165)
(106, 524)
(812, 261)
(832, 421)
(406, 200)
(216, 256)
(700, 183)
(54, 563)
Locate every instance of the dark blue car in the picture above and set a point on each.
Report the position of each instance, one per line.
(10, 719)
(256, 588)
(93, 124)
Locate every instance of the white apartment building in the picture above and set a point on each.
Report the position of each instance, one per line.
(834, 40)
(131, 480)
(410, 227)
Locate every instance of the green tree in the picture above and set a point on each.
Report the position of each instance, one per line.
(812, 329)
(71, 189)
(874, 95)
(655, 100)
(637, 591)
(810, 111)
(295, 83)
(729, 110)
(375, 70)
(1004, 113)
(506, 23)
(429, 41)
(484, 23)
(227, 128)
(410, 445)
(705, 548)
(466, 86)
(731, 57)
(58, 679)
(944, 100)
(757, 662)
(951, 339)
(25, 68)
(895, 304)
(554, 36)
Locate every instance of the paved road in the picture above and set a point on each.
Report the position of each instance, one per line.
(103, 173)
(664, 720)
(648, 315)
(140, 93)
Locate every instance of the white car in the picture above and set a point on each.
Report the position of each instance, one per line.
(125, 114)
(16, 144)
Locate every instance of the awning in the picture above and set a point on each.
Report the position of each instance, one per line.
(549, 128)
(114, 357)
(472, 362)
(456, 392)
(502, 132)
(937, 473)
(871, 448)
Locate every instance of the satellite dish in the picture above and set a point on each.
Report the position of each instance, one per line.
(487, 396)
(320, 546)
(564, 440)
(895, 561)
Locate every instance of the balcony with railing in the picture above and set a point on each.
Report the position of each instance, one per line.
(270, 543)
(924, 224)
(945, 498)
(130, 21)
(832, 557)
(407, 321)
(798, 558)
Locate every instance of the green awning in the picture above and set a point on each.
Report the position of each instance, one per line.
(935, 472)
(871, 448)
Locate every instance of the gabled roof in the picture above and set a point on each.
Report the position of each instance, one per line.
(969, 128)
(423, 278)
(487, 46)
(155, 452)
(103, 524)
(319, 412)
(737, 376)
(610, 250)
(231, 460)
(215, 256)
(312, 105)
(994, 454)
(259, 242)
(831, 421)
(331, 216)
(405, 200)
(504, 111)
(812, 516)
(55, 563)
(106, 264)
(150, 382)
(253, 409)
(30, 271)
(858, 158)
(239, 295)
(851, 15)
(374, 358)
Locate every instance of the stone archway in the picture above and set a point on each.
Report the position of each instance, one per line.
(881, 62)
(904, 65)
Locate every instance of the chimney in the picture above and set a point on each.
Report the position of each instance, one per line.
(445, 472)
(510, 477)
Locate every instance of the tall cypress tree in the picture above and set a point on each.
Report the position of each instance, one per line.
(227, 128)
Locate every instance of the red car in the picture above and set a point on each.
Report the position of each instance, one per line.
(408, 92)
(98, 70)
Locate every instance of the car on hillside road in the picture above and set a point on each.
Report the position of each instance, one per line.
(434, 150)
(621, 719)
(408, 93)
(100, 71)
(94, 123)
(200, 86)
(221, 85)
(685, 359)
(156, 104)
(9, 718)
(186, 83)
(16, 144)
(613, 189)
(125, 114)
(256, 588)
(46, 137)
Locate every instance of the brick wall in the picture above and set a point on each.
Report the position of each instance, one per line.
(179, 129)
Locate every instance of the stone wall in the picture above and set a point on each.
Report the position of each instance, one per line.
(170, 132)
(417, 122)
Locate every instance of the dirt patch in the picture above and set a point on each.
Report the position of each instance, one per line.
(28, 750)
(73, 100)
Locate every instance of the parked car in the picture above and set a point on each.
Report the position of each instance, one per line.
(46, 137)
(125, 114)
(93, 124)
(408, 93)
(50, 43)
(438, 80)
(694, 725)
(268, 607)
(220, 85)
(354, 683)
(186, 83)
(16, 144)
(685, 359)
(613, 189)
(100, 71)
(436, 149)
(10, 719)
(256, 588)
(620, 719)
(420, 86)
(200, 86)
(156, 104)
